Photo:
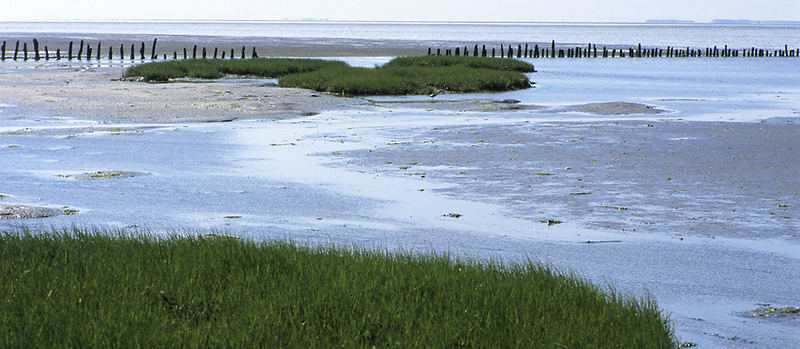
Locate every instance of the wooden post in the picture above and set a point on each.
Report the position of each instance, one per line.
(110, 52)
(535, 50)
(121, 52)
(466, 53)
(492, 52)
(231, 53)
(25, 50)
(46, 53)
(133, 52)
(438, 52)
(639, 51)
(475, 51)
(58, 54)
(153, 51)
(174, 55)
(553, 49)
(526, 50)
(80, 51)
(184, 53)
(88, 53)
(429, 51)
(242, 52)
(98, 51)
(510, 52)
(223, 54)
(141, 51)
(16, 50)
(194, 52)
(613, 52)
(3, 51)
(502, 51)
(35, 49)
(483, 51)
(519, 49)
(204, 53)
(215, 53)
(458, 51)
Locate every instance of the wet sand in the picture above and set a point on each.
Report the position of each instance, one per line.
(93, 91)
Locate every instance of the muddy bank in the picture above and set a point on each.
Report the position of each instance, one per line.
(27, 212)
(499, 105)
(94, 92)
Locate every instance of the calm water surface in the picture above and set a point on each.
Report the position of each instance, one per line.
(770, 36)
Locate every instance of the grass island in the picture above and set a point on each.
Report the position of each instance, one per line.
(401, 76)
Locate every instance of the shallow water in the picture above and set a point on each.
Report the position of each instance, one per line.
(695, 35)
(337, 178)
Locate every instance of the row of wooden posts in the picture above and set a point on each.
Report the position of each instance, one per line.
(590, 50)
(88, 53)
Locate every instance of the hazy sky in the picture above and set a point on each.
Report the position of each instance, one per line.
(404, 10)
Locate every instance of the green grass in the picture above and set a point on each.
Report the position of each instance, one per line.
(82, 288)
(401, 76)
(217, 68)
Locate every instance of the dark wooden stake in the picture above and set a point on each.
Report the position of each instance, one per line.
(98, 51)
(133, 51)
(255, 54)
(58, 54)
(153, 54)
(35, 49)
(16, 50)
(243, 52)
(110, 52)
(25, 50)
(80, 51)
(141, 51)
(204, 53)
(194, 52)
(121, 51)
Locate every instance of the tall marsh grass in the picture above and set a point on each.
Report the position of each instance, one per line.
(84, 288)
(401, 76)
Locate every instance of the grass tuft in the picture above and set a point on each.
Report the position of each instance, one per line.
(100, 288)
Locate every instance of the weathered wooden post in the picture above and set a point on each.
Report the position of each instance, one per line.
(25, 51)
(466, 53)
(483, 51)
(510, 52)
(492, 52)
(16, 50)
(133, 51)
(242, 52)
(204, 53)
(184, 53)
(110, 52)
(526, 51)
(122, 52)
(3, 51)
(438, 51)
(553, 49)
(80, 51)
(46, 53)
(35, 49)
(174, 55)
(58, 54)
(98, 50)
(223, 54)
(215, 53)
(141, 51)
(231, 53)
(639, 51)
(475, 51)
(519, 50)
(429, 51)
(194, 52)
(153, 54)
(535, 50)
(88, 53)
(458, 51)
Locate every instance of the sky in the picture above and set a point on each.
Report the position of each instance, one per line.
(404, 10)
